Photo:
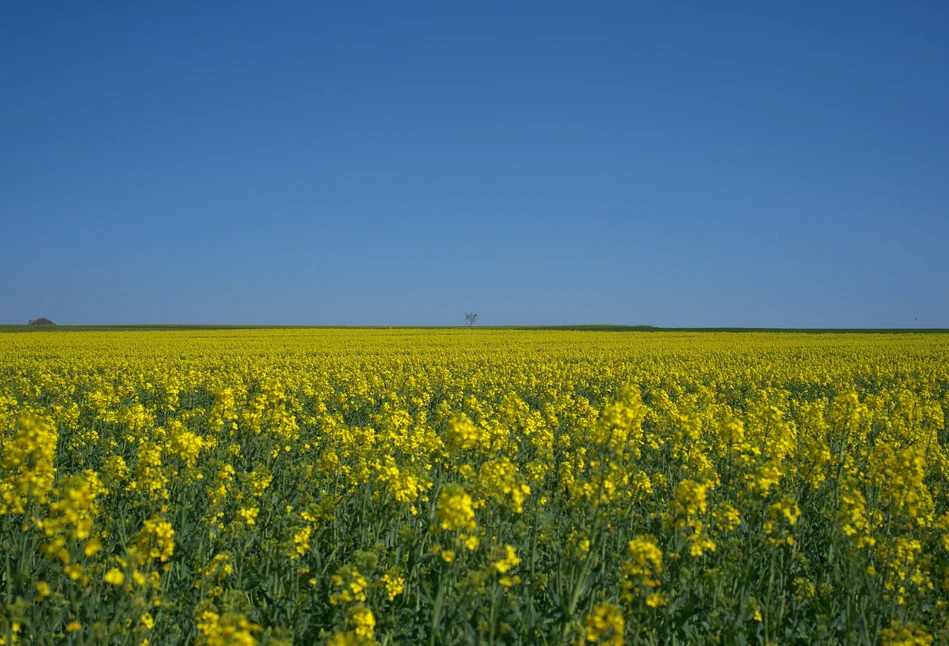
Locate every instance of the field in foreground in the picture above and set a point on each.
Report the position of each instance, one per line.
(471, 486)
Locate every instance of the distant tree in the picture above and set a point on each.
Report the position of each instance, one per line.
(41, 321)
(471, 318)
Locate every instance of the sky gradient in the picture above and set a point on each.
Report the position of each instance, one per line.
(371, 163)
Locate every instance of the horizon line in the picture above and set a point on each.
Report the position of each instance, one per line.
(592, 327)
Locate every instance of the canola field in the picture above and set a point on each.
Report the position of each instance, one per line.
(469, 486)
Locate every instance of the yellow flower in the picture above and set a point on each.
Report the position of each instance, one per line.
(509, 581)
(225, 629)
(642, 570)
(185, 444)
(786, 507)
(908, 634)
(27, 464)
(393, 585)
(248, 515)
(73, 571)
(690, 499)
(454, 509)
(362, 621)
(301, 542)
(114, 576)
(462, 432)
(92, 547)
(348, 586)
(645, 556)
(470, 542)
(606, 625)
(656, 600)
(509, 561)
(156, 539)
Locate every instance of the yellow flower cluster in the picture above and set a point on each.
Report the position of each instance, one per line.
(473, 486)
(28, 470)
(156, 539)
(642, 571)
(394, 585)
(225, 630)
(605, 625)
(509, 561)
(454, 510)
(348, 586)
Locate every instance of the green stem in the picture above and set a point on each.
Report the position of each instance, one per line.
(437, 612)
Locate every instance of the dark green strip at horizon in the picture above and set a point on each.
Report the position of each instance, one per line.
(576, 328)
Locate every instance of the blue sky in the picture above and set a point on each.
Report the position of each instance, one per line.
(378, 163)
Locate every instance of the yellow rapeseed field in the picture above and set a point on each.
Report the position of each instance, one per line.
(473, 486)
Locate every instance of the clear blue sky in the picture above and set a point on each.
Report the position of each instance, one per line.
(376, 163)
